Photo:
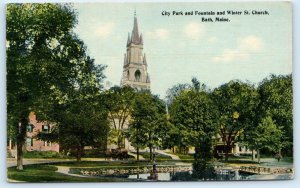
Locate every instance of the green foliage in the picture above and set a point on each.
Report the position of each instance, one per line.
(49, 72)
(42, 53)
(277, 103)
(237, 103)
(147, 121)
(119, 101)
(43, 154)
(195, 116)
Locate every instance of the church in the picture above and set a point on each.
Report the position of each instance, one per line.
(135, 72)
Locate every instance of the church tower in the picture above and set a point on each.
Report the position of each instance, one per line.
(135, 72)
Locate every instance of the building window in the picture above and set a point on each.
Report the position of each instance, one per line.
(47, 143)
(137, 75)
(29, 128)
(29, 141)
(45, 128)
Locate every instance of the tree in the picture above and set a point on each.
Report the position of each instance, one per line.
(119, 102)
(42, 53)
(276, 98)
(236, 103)
(79, 112)
(265, 135)
(196, 117)
(147, 120)
(174, 91)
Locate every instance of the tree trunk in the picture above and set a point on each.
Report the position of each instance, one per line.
(151, 153)
(173, 149)
(20, 156)
(227, 150)
(21, 138)
(79, 153)
(253, 155)
(137, 154)
(258, 156)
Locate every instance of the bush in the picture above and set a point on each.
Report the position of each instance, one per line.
(43, 154)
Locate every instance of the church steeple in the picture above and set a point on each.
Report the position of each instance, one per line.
(135, 38)
(135, 72)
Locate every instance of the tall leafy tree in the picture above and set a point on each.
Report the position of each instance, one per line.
(276, 94)
(42, 53)
(196, 117)
(265, 135)
(119, 102)
(147, 121)
(237, 103)
(80, 113)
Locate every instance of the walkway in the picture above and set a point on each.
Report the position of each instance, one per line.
(174, 157)
(135, 156)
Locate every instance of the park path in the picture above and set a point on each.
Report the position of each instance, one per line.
(135, 156)
(174, 157)
(65, 170)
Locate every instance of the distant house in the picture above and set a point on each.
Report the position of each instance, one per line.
(33, 128)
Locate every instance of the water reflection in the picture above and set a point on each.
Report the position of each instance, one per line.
(184, 176)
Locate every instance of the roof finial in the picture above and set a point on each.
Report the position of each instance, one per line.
(134, 11)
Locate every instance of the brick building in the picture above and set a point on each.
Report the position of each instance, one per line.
(33, 128)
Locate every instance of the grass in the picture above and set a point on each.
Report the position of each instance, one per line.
(46, 173)
(110, 163)
(185, 157)
(158, 156)
(43, 154)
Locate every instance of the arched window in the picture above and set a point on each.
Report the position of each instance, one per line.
(128, 74)
(137, 75)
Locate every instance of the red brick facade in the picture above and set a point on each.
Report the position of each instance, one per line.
(32, 144)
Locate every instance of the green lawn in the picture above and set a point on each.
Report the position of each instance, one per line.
(158, 156)
(44, 154)
(111, 163)
(46, 173)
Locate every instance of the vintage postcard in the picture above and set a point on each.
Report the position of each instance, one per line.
(133, 92)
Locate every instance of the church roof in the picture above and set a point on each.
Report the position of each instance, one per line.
(136, 38)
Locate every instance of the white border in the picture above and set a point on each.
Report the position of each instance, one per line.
(266, 184)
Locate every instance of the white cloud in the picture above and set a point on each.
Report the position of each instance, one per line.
(104, 29)
(251, 43)
(194, 30)
(159, 33)
(246, 47)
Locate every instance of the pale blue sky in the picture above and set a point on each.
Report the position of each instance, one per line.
(180, 47)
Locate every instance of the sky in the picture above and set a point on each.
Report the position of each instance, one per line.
(248, 48)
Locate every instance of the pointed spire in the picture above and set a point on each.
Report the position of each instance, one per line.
(144, 59)
(135, 32)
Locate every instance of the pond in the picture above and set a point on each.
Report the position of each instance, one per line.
(146, 174)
